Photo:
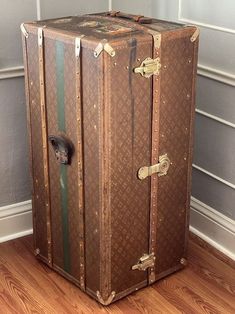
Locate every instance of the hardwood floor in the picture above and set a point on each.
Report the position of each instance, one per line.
(206, 285)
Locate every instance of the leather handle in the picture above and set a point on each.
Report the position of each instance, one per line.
(63, 148)
(135, 18)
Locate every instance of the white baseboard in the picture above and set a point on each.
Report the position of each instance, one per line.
(213, 227)
(15, 221)
(207, 223)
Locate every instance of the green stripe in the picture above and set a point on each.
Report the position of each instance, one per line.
(60, 84)
(63, 168)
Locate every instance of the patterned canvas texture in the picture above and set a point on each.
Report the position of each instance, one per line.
(174, 139)
(117, 111)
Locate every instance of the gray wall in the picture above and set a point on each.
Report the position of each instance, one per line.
(214, 153)
(14, 167)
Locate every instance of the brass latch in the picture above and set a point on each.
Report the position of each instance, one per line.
(149, 67)
(161, 168)
(146, 261)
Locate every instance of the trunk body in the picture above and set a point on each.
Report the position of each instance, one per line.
(94, 217)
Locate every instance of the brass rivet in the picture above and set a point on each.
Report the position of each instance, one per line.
(31, 83)
(115, 63)
(37, 251)
(183, 261)
(188, 96)
(165, 67)
(127, 67)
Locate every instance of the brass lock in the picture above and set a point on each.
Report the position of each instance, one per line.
(146, 261)
(161, 168)
(149, 67)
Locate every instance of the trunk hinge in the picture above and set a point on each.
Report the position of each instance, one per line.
(149, 67)
(146, 261)
(161, 168)
(104, 45)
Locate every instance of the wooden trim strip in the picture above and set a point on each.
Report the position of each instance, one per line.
(154, 153)
(190, 154)
(105, 238)
(29, 129)
(44, 140)
(78, 70)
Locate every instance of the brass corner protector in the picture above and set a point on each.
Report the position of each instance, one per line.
(108, 300)
(104, 45)
(40, 36)
(23, 30)
(156, 38)
(195, 34)
(78, 45)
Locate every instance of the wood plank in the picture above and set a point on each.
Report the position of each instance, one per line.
(206, 285)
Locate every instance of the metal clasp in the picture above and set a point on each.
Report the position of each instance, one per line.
(149, 67)
(146, 261)
(161, 168)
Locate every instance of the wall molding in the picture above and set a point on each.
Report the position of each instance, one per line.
(12, 72)
(213, 227)
(15, 221)
(216, 118)
(206, 222)
(210, 174)
(110, 5)
(202, 24)
(217, 75)
(38, 8)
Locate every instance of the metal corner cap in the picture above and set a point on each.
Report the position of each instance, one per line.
(196, 32)
(23, 30)
(108, 300)
(104, 45)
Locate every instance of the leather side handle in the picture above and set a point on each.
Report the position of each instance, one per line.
(63, 148)
(135, 18)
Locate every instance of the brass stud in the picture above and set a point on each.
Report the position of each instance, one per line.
(37, 251)
(183, 261)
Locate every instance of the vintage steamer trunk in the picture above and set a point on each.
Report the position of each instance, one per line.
(110, 112)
